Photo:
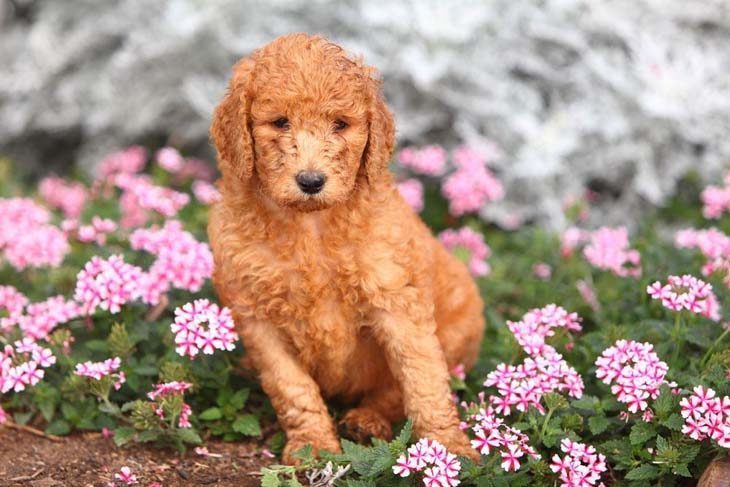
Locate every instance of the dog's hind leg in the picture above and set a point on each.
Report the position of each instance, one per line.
(375, 414)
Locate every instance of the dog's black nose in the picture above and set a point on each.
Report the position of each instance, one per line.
(311, 182)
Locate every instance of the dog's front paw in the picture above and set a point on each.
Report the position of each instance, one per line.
(297, 442)
(363, 424)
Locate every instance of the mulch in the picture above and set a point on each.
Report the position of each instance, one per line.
(87, 460)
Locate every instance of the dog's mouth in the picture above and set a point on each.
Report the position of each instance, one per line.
(309, 203)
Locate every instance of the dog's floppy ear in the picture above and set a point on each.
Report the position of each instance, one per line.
(381, 138)
(231, 128)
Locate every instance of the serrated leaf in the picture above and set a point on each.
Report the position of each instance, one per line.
(682, 470)
(665, 403)
(123, 435)
(247, 424)
(210, 414)
(598, 424)
(293, 482)
(238, 400)
(588, 403)
(406, 432)
(641, 433)
(147, 435)
(673, 422)
(189, 435)
(270, 479)
(59, 427)
(555, 401)
(643, 472)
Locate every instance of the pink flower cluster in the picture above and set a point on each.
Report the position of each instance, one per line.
(412, 191)
(608, 248)
(125, 475)
(635, 372)
(70, 197)
(706, 416)
(94, 232)
(713, 244)
(716, 199)
(429, 160)
(472, 185)
(12, 303)
(467, 240)
(99, 370)
(182, 262)
(41, 318)
(139, 195)
(170, 159)
(128, 161)
(27, 238)
(686, 292)
(107, 284)
(22, 366)
(582, 466)
(440, 468)
(524, 385)
(205, 192)
(192, 337)
(174, 388)
(539, 324)
(492, 434)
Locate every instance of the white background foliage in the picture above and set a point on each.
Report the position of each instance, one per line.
(624, 95)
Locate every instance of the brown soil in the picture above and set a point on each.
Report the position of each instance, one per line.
(90, 460)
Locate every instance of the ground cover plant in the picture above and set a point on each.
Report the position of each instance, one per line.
(605, 360)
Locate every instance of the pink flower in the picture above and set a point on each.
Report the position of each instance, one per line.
(439, 467)
(608, 249)
(40, 319)
(570, 239)
(12, 303)
(99, 370)
(635, 372)
(686, 292)
(472, 243)
(539, 324)
(429, 160)
(170, 159)
(19, 215)
(21, 367)
(510, 458)
(472, 185)
(169, 388)
(581, 467)
(588, 294)
(412, 191)
(192, 337)
(542, 271)
(716, 200)
(97, 231)
(706, 416)
(205, 192)
(40, 246)
(125, 475)
(107, 284)
(128, 161)
(139, 195)
(458, 371)
(69, 196)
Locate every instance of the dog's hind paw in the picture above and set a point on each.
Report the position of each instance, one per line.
(363, 424)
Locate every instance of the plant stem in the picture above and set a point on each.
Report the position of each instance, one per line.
(712, 347)
(677, 331)
(545, 424)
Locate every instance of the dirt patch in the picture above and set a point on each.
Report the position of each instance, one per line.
(91, 460)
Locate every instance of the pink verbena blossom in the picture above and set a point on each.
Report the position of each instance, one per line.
(439, 467)
(706, 415)
(570, 239)
(22, 366)
(472, 185)
(40, 246)
(539, 324)
(125, 475)
(524, 385)
(608, 249)
(196, 169)
(128, 161)
(169, 388)
(713, 244)
(107, 284)
(205, 192)
(41, 318)
(635, 372)
(99, 370)
(12, 303)
(170, 159)
(140, 195)
(467, 240)
(412, 191)
(716, 199)
(429, 160)
(581, 466)
(182, 262)
(163, 407)
(96, 231)
(542, 271)
(70, 197)
(19, 215)
(686, 292)
(192, 337)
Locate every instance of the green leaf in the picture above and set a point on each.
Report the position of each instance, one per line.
(598, 424)
(665, 403)
(682, 470)
(238, 400)
(123, 435)
(588, 403)
(643, 472)
(189, 435)
(59, 427)
(277, 443)
(270, 479)
(293, 482)
(247, 424)
(406, 432)
(673, 422)
(147, 436)
(555, 401)
(211, 414)
(641, 433)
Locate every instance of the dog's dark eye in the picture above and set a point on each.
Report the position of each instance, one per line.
(340, 125)
(281, 123)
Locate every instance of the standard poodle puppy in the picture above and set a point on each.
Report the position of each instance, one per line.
(338, 290)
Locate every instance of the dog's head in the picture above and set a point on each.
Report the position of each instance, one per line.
(302, 119)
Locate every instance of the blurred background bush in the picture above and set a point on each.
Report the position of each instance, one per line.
(621, 97)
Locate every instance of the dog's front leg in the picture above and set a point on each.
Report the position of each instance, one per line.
(417, 362)
(295, 395)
